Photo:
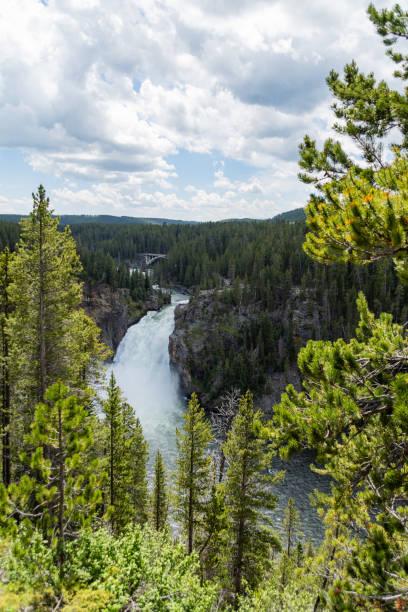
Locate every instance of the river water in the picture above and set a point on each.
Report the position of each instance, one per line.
(142, 370)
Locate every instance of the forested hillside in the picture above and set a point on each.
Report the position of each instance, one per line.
(269, 297)
(266, 257)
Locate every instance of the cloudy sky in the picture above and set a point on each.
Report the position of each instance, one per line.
(186, 109)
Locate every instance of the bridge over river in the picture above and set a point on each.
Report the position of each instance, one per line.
(145, 260)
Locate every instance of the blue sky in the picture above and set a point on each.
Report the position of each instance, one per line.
(168, 108)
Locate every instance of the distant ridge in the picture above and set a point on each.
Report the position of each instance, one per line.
(298, 214)
(290, 216)
(108, 219)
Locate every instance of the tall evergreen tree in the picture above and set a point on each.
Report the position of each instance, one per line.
(44, 291)
(138, 454)
(50, 337)
(353, 411)
(291, 526)
(46, 327)
(111, 408)
(211, 544)
(159, 494)
(5, 309)
(65, 493)
(127, 455)
(248, 498)
(193, 476)
(353, 407)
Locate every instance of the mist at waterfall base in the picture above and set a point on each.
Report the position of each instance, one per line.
(142, 370)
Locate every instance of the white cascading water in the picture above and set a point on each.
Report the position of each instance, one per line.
(142, 370)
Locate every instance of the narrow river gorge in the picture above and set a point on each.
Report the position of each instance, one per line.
(142, 370)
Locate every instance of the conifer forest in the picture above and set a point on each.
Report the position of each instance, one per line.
(292, 339)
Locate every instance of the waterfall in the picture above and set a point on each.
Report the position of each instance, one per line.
(142, 370)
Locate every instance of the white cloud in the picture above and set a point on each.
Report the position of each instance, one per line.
(260, 196)
(103, 91)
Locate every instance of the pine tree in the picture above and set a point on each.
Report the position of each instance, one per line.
(212, 541)
(248, 497)
(127, 455)
(359, 213)
(361, 220)
(138, 455)
(5, 309)
(193, 476)
(291, 526)
(64, 493)
(299, 554)
(159, 495)
(111, 408)
(285, 570)
(309, 552)
(50, 337)
(353, 411)
(353, 408)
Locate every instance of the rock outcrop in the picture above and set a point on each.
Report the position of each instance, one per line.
(113, 310)
(204, 324)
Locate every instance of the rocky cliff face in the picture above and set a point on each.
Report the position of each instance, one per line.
(114, 311)
(205, 325)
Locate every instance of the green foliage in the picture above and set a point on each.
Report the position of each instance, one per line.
(9, 234)
(172, 579)
(99, 267)
(98, 560)
(61, 496)
(392, 24)
(127, 455)
(192, 479)
(89, 600)
(212, 549)
(29, 562)
(248, 497)
(353, 407)
(291, 526)
(44, 291)
(366, 111)
(140, 568)
(5, 398)
(299, 595)
(292, 583)
(50, 337)
(362, 221)
(12, 600)
(351, 395)
(159, 501)
(361, 214)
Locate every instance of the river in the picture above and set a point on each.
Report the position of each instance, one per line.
(142, 370)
